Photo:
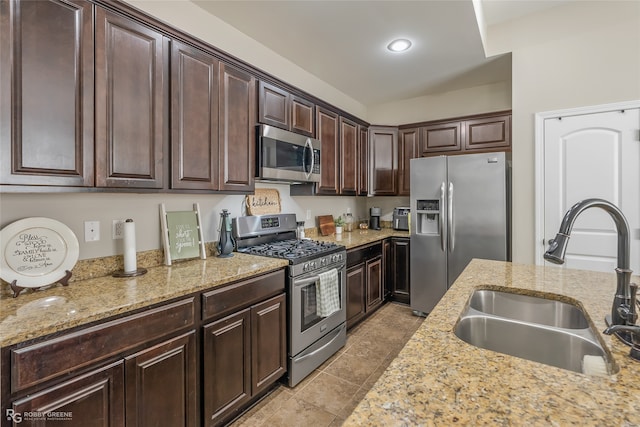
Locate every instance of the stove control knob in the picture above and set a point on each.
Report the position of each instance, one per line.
(305, 267)
(323, 262)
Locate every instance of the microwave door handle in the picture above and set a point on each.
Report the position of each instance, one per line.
(308, 146)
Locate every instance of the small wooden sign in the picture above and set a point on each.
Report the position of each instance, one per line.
(264, 201)
(182, 234)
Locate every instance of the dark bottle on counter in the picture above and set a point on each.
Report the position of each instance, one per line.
(225, 241)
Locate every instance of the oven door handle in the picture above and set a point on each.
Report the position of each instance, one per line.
(306, 281)
(336, 333)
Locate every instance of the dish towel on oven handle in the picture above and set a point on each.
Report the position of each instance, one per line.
(328, 293)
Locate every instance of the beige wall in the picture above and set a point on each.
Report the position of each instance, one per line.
(75, 208)
(479, 99)
(578, 54)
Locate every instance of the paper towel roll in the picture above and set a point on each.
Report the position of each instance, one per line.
(129, 246)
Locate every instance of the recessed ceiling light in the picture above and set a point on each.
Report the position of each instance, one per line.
(399, 45)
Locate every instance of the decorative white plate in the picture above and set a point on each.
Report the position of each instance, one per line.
(37, 252)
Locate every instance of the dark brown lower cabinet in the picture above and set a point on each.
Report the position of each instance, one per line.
(365, 282)
(400, 271)
(244, 353)
(375, 291)
(355, 294)
(161, 384)
(95, 399)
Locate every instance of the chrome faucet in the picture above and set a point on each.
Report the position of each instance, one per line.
(623, 311)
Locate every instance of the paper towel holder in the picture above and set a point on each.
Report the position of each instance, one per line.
(133, 273)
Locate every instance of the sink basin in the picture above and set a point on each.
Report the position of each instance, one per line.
(529, 309)
(538, 329)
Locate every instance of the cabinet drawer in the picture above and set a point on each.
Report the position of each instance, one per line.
(362, 254)
(228, 299)
(37, 363)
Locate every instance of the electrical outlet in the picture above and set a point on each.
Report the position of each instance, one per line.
(91, 231)
(308, 213)
(117, 231)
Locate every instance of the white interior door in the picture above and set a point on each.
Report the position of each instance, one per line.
(593, 156)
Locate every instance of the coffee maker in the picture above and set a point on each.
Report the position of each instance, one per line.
(374, 218)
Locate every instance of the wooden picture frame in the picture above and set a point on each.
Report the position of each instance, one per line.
(182, 235)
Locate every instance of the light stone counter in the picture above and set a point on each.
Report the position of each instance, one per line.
(39, 313)
(437, 379)
(359, 237)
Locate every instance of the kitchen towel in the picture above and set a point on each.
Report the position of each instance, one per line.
(328, 293)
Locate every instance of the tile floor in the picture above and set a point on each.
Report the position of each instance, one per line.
(331, 392)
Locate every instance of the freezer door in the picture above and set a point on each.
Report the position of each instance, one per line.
(477, 191)
(428, 259)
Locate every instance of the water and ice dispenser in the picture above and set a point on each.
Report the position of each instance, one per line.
(428, 217)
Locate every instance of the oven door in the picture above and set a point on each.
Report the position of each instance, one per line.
(306, 326)
(286, 156)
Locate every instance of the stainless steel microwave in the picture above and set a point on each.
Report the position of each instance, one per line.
(286, 156)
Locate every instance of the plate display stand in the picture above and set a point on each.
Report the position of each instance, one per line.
(17, 289)
(37, 252)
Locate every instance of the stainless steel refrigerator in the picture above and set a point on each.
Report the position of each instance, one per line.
(460, 209)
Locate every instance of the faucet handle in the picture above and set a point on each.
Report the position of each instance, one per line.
(633, 314)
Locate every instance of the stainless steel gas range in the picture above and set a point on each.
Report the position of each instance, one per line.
(313, 338)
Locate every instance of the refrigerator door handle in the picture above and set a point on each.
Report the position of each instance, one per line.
(451, 230)
(442, 224)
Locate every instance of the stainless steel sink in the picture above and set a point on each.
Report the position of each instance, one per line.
(532, 328)
(529, 309)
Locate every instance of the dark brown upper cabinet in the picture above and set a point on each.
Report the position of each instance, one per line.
(328, 134)
(348, 157)
(363, 161)
(194, 118)
(277, 107)
(237, 129)
(488, 133)
(383, 156)
(131, 119)
(213, 123)
(478, 133)
(408, 148)
(46, 81)
(442, 138)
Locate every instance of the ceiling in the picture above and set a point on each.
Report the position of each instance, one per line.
(344, 42)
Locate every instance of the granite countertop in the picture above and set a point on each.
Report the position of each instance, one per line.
(39, 313)
(359, 237)
(437, 379)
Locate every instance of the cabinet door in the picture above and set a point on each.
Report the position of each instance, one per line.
(273, 106)
(407, 149)
(161, 384)
(302, 116)
(226, 366)
(441, 138)
(237, 129)
(355, 294)
(348, 157)
(400, 262)
(387, 267)
(268, 343)
(95, 399)
(489, 133)
(329, 155)
(194, 118)
(363, 165)
(383, 143)
(130, 111)
(46, 81)
(375, 291)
